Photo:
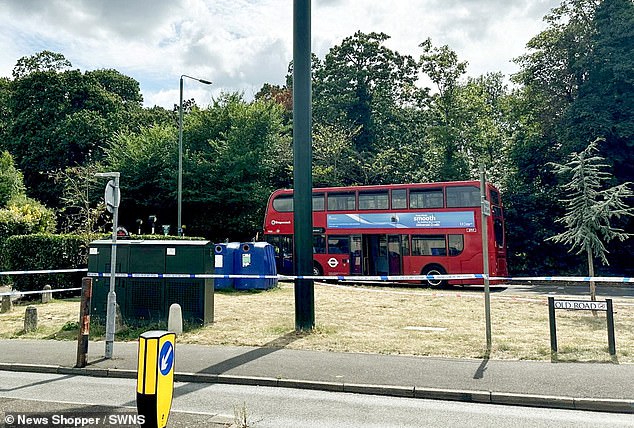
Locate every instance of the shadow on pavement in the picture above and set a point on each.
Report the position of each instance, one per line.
(231, 363)
(266, 349)
(479, 374)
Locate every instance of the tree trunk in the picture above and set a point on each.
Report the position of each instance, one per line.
(593, 290)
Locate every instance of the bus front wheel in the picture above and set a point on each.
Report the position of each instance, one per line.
(434, 270)
(317, 270)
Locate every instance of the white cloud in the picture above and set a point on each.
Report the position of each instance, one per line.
(241, 44)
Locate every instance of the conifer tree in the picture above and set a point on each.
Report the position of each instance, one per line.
(591, 207)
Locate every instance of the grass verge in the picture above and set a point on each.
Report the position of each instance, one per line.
(448, 323)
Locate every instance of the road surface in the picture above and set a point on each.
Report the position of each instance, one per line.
(195, 405)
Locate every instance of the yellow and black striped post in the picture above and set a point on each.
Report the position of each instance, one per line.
(155, 377)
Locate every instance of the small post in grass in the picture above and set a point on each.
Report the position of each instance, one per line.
(6, 304)
(30, 319)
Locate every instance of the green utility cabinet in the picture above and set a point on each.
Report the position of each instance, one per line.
(146, 299)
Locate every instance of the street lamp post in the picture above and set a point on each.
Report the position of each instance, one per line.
(112, 197)
(180, 149)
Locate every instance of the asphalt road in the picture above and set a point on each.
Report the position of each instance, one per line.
(197, 404)
(554, 288)
(574, 290)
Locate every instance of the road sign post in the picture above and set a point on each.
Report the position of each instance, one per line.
(581, 305)
(155, 377)
(486, 211)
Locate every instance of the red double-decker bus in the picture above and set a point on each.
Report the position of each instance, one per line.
(399, 229)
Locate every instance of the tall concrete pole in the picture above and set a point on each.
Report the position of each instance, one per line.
(302, 166)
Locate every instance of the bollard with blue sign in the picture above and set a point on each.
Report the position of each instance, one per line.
(155, 377)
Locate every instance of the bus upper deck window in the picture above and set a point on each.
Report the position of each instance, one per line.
(341, 201)
(399, 199)
(463, 196)
(283, 204)
(318, 202)
(426, 198)
(373, 200)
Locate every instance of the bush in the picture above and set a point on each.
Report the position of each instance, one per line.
(44, 252)
(25, 216)
(22, 216)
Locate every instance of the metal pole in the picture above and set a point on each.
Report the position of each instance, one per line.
(553, 325)
(610, 320)
(111, 311)
(302, 167)
(180, 149)
(485, 257)
(180, 158)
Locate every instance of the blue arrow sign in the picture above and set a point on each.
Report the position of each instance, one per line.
(166, 358)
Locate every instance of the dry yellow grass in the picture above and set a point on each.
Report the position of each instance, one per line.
(449, 323)
(57, 319)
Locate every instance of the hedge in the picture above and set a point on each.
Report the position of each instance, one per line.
(45, 252)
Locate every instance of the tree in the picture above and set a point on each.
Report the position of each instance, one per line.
(82, 205)
(486, 124)
(60, 118)
(557, 64)
(590, 208)
(576, 80)
(529, 192)
(148, 163)
(229, 177)
(11, 181)
(446, 142)
(335, 162)
(5, 113)
(40, 62)
(358, 77)
(604, 106)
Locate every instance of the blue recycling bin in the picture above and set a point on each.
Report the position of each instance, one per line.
(255, 258)
(224, 264)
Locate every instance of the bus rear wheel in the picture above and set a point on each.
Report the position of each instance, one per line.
(317, 270)
(434, 270)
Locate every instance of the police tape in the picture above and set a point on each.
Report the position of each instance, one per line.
(613, 279)
(32, 272)
(288, 277)
(395, 278)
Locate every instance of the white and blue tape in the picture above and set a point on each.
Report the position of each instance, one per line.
(369, 278)
(338, 277)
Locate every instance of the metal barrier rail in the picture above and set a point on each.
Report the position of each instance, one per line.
(20, 293)
(32, 272)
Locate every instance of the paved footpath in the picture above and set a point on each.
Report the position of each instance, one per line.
(584, 386)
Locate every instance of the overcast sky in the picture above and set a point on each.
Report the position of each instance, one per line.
(241, 44)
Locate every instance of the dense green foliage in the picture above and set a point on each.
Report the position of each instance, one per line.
(46, 251)
(11, 181)
(19, 215)
(374, 123)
